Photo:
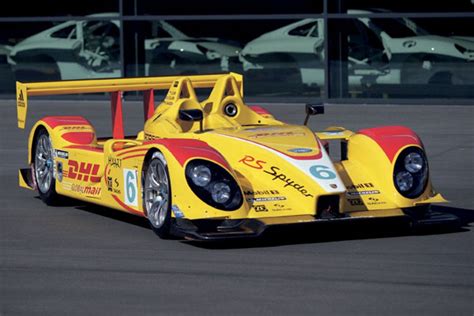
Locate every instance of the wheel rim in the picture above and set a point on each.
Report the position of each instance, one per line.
(156, 193)
(44, 163)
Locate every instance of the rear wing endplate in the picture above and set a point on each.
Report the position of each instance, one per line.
(114, 86)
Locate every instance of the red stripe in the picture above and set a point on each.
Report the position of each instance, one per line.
(81, 138)
(54, 121)
(133, 156)
(392, 138)
(83, 147)
(126, 207)
(131, 151)
(185, 149)
(259, 110)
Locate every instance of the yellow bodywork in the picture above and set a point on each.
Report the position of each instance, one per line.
(283, 170)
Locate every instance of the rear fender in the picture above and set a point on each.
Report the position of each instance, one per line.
(64, 131)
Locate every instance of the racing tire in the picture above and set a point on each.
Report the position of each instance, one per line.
(157, 195)
(43, 167)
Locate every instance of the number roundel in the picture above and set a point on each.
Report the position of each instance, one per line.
(322, 172)
(131, 188)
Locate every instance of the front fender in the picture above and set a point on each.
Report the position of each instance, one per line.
(177, 153)
(371, 157)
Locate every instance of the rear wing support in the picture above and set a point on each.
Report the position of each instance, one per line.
(115, 87)
(117, 115)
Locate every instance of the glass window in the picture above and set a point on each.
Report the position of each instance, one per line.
(273, 62)
(304, 30)
(67, 50)
(58, 8)
(66, 32)
(204, 7)
(400, 58)
(369, 6)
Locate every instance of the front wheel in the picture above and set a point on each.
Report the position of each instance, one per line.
(157, 195)
(43, 167)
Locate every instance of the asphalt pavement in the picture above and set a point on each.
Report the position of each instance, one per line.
(86, 260)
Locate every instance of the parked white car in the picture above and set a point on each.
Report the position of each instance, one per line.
(384, 51)
(91, 49)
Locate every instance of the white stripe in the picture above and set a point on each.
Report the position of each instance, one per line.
(305, 165)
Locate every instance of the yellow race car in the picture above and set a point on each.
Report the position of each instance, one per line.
(219, 168)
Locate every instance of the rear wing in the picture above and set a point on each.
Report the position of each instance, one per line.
(115, 87)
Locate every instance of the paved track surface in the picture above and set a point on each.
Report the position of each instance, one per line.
(83, 260)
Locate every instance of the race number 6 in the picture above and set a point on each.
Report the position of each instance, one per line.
(322, 172)
(130, 184)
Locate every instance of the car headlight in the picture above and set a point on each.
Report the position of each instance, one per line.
(213, 184)
(411, 172)
(414, 162)
(404, 181)
(200, 175)
(220, 192)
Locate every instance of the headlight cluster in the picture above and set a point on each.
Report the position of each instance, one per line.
(213, 184)
(410, 174)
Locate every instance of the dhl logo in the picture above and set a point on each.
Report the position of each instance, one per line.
(83, 171)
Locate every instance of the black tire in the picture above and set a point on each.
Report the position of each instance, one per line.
(43, 166)
(157, 195)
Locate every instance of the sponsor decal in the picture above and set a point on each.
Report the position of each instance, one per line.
(75, 128)
(260, 208)
(131, 187)
(355, 202)
(276, 173)
(322, 172)
(112, 185)
(83, 171)
(261, 192)
(177, 211)
(375, 201)
(86, 190)
(21, 99)
(300, 150)
(358, 186)
(266, 199)
(358, 193)
(252, 162)
(61, 154)
(277, 134)
(279, 176)
(277, 207)
(115, 162)
(150, 137)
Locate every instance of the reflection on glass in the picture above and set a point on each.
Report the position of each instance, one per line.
(341, 6)
(171, 52)
(413, 56)
(70, 50)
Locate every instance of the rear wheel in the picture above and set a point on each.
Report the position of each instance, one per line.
(43, 167)
(157, 195)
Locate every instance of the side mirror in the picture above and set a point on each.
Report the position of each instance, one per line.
(313, 109)
(192, 116)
